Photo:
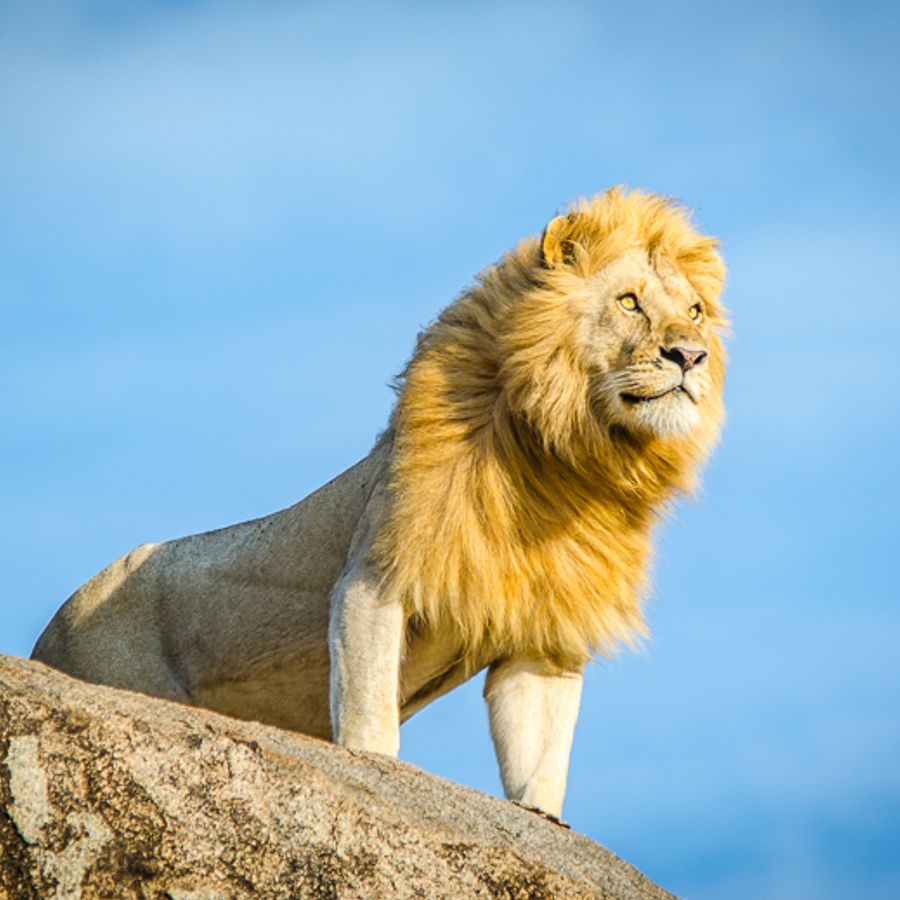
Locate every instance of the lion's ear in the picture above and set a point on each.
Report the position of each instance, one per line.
(557, 248)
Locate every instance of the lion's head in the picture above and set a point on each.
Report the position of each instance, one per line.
(544, 419)
(647, 347)
(622, 330)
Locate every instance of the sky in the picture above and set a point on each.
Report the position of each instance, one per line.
(224, 223)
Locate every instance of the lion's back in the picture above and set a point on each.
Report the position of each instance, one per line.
(221, 618)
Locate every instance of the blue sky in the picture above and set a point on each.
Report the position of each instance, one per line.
(223, 225)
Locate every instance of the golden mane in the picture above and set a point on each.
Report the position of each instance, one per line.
(518, 518)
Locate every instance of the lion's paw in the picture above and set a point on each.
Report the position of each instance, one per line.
(544, 815)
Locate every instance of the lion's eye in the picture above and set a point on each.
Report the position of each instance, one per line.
(629, 303)
(695, 312)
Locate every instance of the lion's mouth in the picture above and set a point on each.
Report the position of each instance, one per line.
(635, 399)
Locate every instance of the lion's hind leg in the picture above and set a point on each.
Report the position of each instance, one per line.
(120, 661)
(110, 631)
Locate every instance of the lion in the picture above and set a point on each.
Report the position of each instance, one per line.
(502, 521)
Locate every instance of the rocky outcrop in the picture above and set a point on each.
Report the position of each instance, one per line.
(105, 793)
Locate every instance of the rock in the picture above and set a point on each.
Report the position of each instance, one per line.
(106, 793)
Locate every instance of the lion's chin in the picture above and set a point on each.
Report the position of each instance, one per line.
(673, 413)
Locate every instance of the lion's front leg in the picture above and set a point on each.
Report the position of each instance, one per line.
(533, 706)
(365, 637)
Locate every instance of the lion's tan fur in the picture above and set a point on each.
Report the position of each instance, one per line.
(520, 519)
(503, 520)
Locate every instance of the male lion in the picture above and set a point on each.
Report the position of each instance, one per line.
(502, 520)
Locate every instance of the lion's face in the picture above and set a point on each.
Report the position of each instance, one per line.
(647, 347)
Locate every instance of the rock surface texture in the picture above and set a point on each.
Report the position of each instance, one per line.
(104, 793)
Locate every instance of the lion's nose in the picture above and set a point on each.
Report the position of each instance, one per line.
(685, 357)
